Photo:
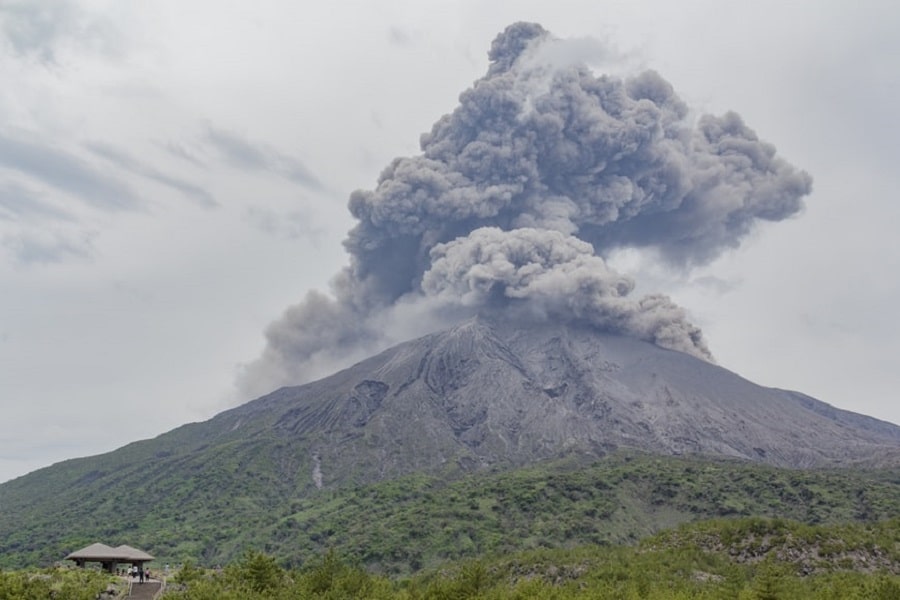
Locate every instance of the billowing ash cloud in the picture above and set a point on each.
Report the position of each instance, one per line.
(542, 170)
(554, 276)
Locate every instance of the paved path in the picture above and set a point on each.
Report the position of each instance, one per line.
(144, 591)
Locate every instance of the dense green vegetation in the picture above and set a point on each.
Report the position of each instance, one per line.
(412, 523)
(59, 584)
(417, 522)
(743, 559)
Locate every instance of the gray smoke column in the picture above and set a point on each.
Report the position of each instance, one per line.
(542, 170)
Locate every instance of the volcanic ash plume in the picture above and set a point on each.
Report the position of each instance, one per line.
(542, 170)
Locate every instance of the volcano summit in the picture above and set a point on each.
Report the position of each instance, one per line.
(499, 393)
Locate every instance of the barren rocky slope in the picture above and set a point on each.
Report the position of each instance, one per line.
(487, 393)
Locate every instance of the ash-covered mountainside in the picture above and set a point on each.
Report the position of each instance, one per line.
(501, 393)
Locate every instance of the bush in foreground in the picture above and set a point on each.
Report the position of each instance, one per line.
(58, 584)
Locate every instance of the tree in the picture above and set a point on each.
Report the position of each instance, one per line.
(258, 571)
(769, 582)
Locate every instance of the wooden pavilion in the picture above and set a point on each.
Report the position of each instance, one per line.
(110, 557)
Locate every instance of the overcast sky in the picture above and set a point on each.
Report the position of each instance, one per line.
(175, 174)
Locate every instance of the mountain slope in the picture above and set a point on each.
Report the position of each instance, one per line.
(488, 393)
(485, 395)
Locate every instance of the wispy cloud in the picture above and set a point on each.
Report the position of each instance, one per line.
(30, 248)
(243, 154)
(19, 203)
(33, 28)
(127, 162)
(39, 29)
(180, 151)
(290, 225)
(66, 172)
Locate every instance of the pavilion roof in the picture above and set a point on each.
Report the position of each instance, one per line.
(102, 552)
(92, 551)
(133, 553)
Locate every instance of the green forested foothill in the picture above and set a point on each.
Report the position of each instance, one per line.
(405, 525)
(411, 523)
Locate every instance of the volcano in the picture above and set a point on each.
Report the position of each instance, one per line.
(483, 398)
(502, 225)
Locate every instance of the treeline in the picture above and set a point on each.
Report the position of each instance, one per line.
(742, 559)
(750, 559)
